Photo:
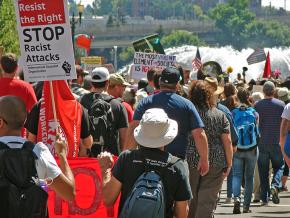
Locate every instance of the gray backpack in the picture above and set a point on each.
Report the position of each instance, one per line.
(147, 197)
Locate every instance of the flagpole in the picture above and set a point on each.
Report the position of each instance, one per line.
(53, 105)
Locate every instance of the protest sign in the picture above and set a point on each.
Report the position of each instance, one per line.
(88, 202)
(91, 62)
(45, 40)
(150, 44)
(144, 61)
(110, 68)
(257, 88)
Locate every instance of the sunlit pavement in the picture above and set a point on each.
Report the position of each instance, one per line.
(281, 210)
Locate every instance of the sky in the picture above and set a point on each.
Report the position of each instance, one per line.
(275, 3)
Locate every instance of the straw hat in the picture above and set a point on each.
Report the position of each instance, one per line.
(155, 129)
(214, 84)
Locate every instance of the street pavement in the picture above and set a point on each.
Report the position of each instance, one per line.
(281, 210)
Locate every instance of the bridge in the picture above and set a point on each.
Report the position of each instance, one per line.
(123, 35)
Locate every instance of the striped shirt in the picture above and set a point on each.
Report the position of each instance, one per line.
(270, 111)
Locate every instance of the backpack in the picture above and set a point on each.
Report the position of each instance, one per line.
(147, 197)
(20, 196)
(245, 123)
(101, 116)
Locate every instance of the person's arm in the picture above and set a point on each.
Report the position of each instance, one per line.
(228, 148)
(86, 144)
(64, 184)
(201, 144)
(130, 142)
(31, 137)
(283, 134)
(111, 187)
(180, 209)
(122, 137)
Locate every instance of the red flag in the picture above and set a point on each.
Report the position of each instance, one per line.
(69, 113)
(267, 69)
(88, 202)
(196, 62)
(84, 41)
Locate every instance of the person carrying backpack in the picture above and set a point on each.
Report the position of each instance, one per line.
(107, 115)
(245, 159)
(152, 182)
(27, 169)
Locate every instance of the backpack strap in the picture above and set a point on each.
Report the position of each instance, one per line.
(29, 146)
(3, 146)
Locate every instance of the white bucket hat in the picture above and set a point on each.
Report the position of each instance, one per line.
(155, 129)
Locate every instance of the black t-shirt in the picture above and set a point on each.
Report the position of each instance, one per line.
(175, 178)
(31, 123)
(119, 115)
(119, 111)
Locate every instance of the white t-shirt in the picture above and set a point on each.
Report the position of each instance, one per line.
(46, 165)
(286, 112)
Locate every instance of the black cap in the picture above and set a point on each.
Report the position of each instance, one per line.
(170, 75)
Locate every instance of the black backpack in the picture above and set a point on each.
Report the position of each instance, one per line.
(20, 196)
(103, 131)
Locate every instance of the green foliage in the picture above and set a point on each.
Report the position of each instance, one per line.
(8, 30)
(232, 19)
(126, 55)
(181, 37)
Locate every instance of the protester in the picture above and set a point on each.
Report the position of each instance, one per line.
(245, 158)
(270, 110)
(218, 90)
(77, 84)
(155, 131)
(100, 83)
(179, 109)
(77, 113)
(10, 85)
(283, 95)
(205, 189)
(230, 93)
(117, 86)
(12, 118)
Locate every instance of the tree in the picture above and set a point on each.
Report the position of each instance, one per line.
(233, 19)
(8, 30)
(181, 37)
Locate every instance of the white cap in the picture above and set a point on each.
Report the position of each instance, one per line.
(100, 74)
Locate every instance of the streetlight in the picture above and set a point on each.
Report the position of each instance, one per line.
(115, 57)
(74, 21)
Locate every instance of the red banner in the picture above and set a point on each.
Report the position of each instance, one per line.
(69, 113)
(88, 202)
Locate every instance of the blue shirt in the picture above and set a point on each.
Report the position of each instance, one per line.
(270, 111)
(177, 108)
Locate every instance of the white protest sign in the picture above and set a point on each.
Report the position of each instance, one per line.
(144, 61)
(45, 40)
(257, 88)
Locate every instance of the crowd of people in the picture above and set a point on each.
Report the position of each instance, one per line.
(196, 132)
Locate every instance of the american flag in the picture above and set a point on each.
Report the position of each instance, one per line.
(257, 56)
(196, 62)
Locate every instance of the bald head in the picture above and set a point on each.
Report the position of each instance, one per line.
(13, 111)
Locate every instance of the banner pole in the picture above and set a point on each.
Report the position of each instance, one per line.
(53, 105)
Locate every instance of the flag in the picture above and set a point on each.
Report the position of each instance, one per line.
(89, 201)
(267, 68)
(68, 112)
(196, 62)
(257, 56)
(84, 41)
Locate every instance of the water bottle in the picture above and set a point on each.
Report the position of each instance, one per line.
(43, 185)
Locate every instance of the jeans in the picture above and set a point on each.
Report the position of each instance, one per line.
(270, 153)
(244, 164)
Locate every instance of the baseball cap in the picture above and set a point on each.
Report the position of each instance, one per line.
(170, 75)
(117, 79)
(100, 74)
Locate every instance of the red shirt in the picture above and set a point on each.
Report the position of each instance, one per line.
(129, 110)
(20, 89)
